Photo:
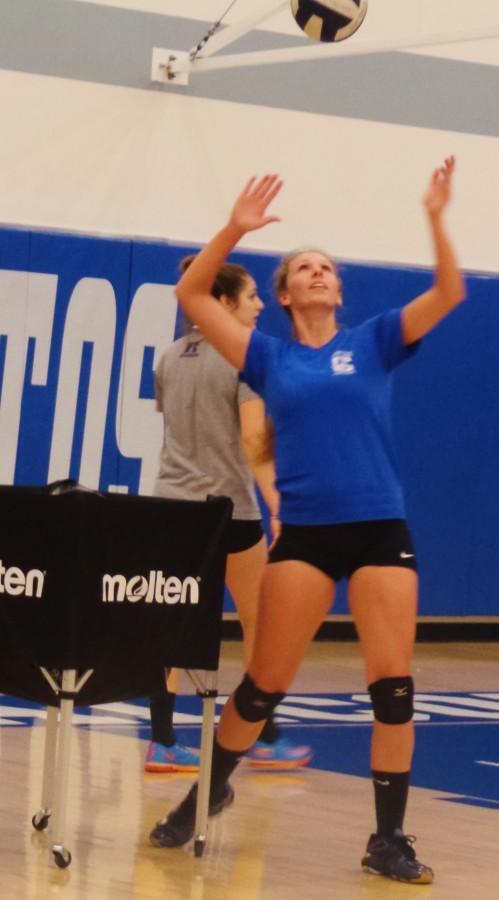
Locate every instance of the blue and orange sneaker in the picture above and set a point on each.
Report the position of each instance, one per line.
(282, 754)
(176, 758)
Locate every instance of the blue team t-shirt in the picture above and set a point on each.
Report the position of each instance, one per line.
(331, 413)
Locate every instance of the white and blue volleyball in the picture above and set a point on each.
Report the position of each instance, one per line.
(329, 20)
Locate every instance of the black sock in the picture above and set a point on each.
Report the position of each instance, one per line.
(223, 764)
(390, 795)
(161, 705)
(271, 731)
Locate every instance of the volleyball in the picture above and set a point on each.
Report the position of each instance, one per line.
(329, 20)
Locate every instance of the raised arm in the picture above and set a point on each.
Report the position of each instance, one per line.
(219, 327)
(425, 311)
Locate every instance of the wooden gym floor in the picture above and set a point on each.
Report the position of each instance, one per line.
(289, 835)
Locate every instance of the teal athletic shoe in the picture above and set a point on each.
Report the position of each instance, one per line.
(176, 758)
(282, 754)
(395, 858)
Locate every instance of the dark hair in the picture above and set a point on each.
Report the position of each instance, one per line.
(231, 279)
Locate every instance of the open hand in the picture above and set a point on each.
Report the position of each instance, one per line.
(249, 212)
(438, 192)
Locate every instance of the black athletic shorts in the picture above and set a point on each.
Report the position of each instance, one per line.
(338, 550)
(243, 534)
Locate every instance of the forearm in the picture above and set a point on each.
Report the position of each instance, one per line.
(258, 446)
(197, 280)
(449, 283)
(194, 291)
(264, 475)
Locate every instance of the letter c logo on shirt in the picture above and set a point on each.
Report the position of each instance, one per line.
(342, 363)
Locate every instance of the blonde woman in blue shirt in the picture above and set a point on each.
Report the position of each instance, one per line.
(342, 507)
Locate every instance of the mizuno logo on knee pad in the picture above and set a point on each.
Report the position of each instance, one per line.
(253, 704)
(392, 699)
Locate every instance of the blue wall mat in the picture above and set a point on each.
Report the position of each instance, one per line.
(111, 313)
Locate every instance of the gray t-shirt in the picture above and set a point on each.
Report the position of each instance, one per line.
(199, 394)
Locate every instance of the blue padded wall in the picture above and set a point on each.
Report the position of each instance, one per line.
(445, 407)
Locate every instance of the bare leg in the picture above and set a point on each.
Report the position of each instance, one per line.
(243, 577)
(383, 600)
(295, 599)
(171, 680)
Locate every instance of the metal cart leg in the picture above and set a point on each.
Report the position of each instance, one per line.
(62, 856)
(41, 818)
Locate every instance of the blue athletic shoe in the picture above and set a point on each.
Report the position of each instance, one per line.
(282, 754)
(176, 758)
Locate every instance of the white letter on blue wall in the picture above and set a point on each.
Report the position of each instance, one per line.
(90, 318)
(27, 301)
(139, 430)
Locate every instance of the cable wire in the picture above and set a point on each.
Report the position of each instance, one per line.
(209, 34)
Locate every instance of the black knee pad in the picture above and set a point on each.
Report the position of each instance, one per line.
(252, 704)
(393, 699)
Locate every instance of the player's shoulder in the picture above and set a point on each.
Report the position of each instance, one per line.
(189, 345)
(269, 343)
(373, 326)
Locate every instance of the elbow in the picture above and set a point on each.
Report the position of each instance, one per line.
(255, 450)
(184, 298)
(458, 293)
(252, 450)
(453, 293)
(463, 291)
(180, 293)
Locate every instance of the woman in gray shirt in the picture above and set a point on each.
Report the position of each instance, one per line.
(214, 431)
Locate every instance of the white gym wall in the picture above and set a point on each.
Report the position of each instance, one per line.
(90, 144)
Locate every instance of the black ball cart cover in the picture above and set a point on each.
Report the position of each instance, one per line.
(120, 584)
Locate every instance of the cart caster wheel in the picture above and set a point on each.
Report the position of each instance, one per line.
(198, 848)
(40, 821)
(62, 858)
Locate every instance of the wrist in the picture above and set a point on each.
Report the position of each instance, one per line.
(234, 232)
(434, 215)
